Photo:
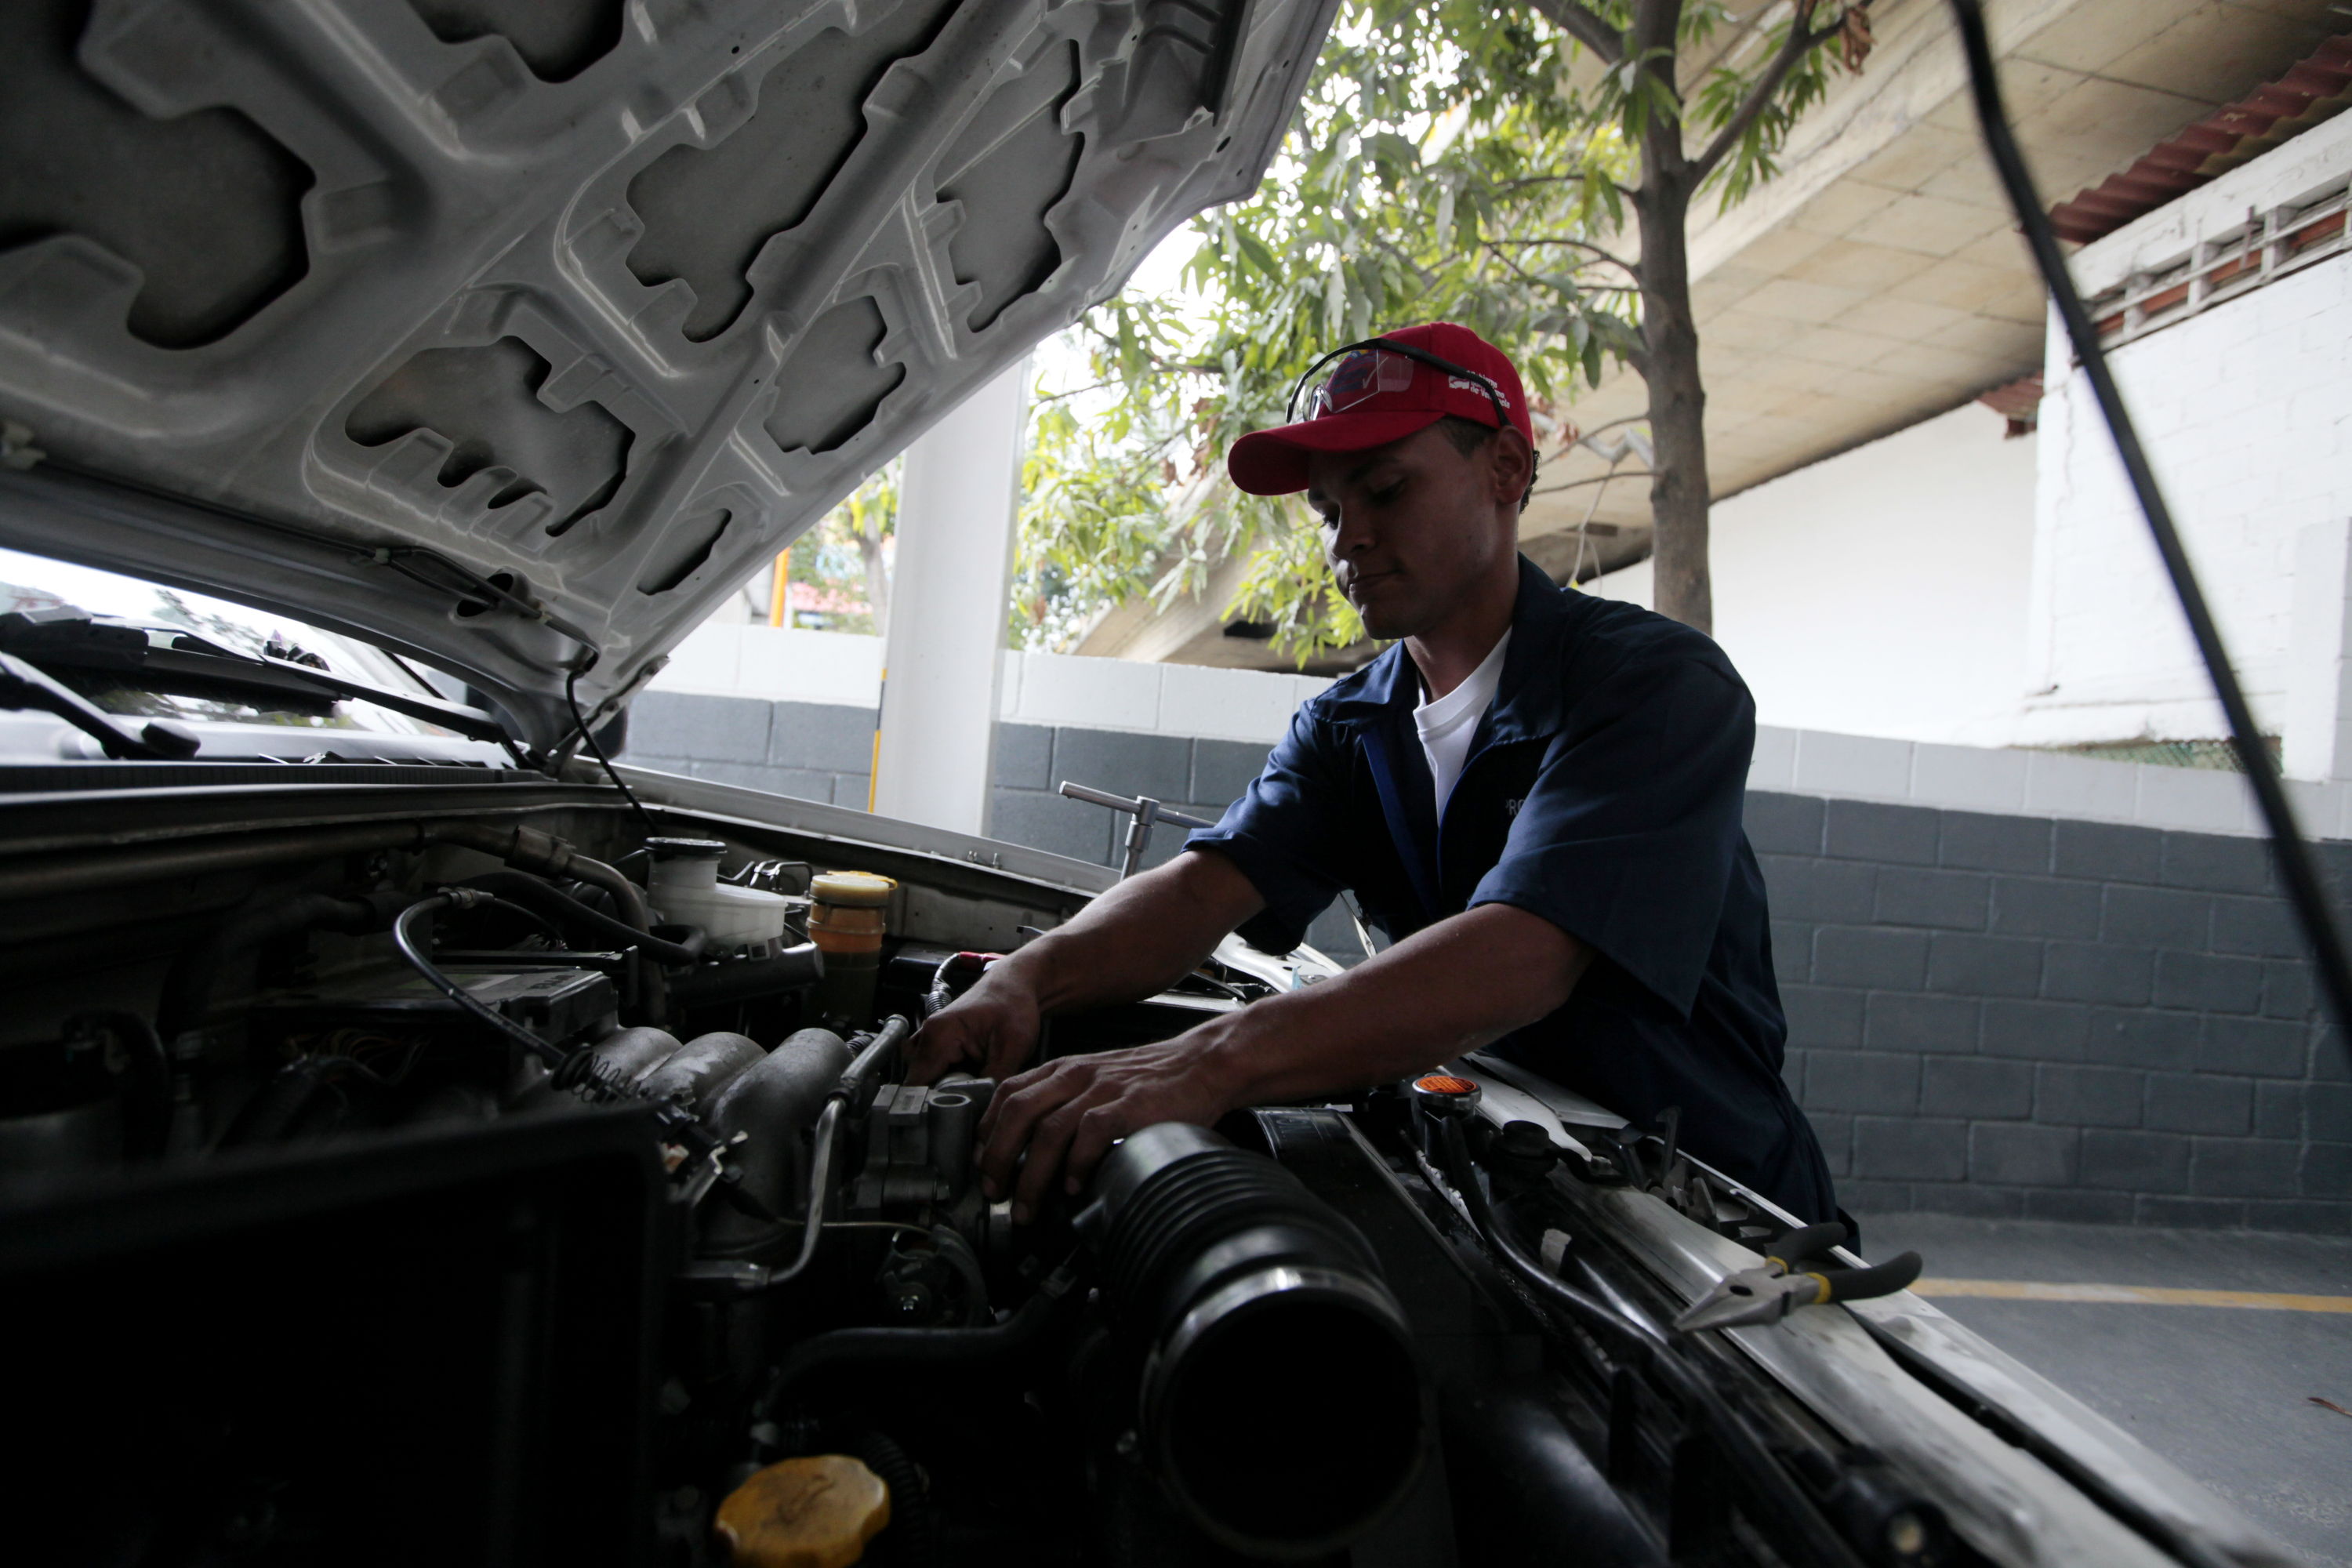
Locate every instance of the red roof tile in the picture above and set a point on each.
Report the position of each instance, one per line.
(2183, 162)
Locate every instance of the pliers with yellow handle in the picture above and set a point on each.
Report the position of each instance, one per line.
(1786, 1282)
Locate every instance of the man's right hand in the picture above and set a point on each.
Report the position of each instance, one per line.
(991, 1030)
(1126, 943)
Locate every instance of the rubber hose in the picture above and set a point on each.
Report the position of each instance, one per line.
(921, 1347)
(1228, 1271)
(146, 1091)
(529, 849)
(188, 987)
(794, 969)
(544, 898)
(909, 1540)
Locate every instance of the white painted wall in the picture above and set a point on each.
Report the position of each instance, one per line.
(1943, 585)
(2246, 411)
(783, 666)
(1883, 591)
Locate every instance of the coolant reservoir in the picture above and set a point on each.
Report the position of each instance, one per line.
(683, 885)
(847, 919)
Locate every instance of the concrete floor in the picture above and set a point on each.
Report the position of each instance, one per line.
(2224, 1392)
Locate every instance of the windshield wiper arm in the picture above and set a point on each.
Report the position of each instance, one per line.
(81, 642)
(471, 722)
(26, 687)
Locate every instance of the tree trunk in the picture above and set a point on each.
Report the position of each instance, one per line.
(1678, 485)
(869, 551)
(1678, 488)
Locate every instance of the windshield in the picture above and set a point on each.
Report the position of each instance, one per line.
(50, 591)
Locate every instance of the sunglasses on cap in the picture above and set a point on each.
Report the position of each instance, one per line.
(1367, 369)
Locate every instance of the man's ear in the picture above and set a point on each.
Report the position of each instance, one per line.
(1510, 465)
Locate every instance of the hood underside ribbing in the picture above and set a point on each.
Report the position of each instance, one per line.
(494, 328)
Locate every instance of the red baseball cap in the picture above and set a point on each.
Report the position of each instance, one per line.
(1374, 396)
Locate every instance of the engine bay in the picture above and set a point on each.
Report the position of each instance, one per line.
(524, 1185)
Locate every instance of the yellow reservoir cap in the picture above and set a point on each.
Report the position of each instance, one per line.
(814, 1512)
(852, 889)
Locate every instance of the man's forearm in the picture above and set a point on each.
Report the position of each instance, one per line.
(1137, 939)
(1461, 984)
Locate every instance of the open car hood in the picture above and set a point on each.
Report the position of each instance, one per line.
(500, 329)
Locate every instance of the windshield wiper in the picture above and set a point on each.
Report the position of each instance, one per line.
(64, 640)
(26, 687)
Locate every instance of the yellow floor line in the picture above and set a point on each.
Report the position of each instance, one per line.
(2133, 1295)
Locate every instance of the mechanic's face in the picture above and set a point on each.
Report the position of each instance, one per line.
(1410, 527)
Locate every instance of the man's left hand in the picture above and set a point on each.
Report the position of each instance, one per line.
(1069, 1112)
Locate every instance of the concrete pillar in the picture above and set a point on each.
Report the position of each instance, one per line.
(943, 649)
(2316, 739)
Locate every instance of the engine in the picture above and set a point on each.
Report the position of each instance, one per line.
(472, 1189)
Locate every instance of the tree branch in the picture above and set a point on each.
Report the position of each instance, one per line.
(1617, 261)
(1801, 41)
(1420, 273)
(1521, 273)
(1584, 24)
(1585, 176)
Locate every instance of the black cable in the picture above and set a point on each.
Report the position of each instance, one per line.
(405, 938)
(572, 700)
(2296, 866)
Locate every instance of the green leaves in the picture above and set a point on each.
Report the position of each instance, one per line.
(1254, 252)
(1452, 159)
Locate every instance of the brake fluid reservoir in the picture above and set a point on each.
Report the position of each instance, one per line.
(683, 885)
(848, 916)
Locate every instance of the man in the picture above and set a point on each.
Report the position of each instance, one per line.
(1538, 793)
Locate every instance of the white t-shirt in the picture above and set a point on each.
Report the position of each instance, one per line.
(1447, 725)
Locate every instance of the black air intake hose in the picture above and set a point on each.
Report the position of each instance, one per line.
(1283, 1406)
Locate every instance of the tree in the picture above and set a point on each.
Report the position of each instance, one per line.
(1457, 160)
(1743, 117)
(842, 558)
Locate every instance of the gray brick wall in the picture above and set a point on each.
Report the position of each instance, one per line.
(2010, 1016)
(810, 750)
(1998, 1016)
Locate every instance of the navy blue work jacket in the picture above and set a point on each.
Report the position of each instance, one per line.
(1603, 791)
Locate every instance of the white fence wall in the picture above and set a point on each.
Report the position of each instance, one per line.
(1883, 591)
(841, 674)
(836, 667)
